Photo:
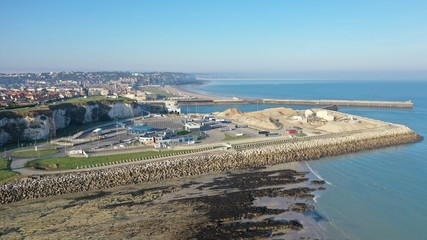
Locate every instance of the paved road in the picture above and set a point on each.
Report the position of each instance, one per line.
(215, 136)
(27, 171)
(18, 164)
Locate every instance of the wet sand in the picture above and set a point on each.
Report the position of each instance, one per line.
(269, 202)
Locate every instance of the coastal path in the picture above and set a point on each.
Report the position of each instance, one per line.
(20, 165)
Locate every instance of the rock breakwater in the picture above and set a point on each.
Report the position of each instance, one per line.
(189, 166)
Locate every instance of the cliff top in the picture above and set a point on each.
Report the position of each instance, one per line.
(73, 101)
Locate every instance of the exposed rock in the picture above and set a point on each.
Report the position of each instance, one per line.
(40, 127)
(91, 113)
(317, 182)
(42, 123)
(60, 118)
(121, 110)
(4, 137)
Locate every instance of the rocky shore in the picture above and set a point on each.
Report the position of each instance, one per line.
(191, 166)
(274, 201)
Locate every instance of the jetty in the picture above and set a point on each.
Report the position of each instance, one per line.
(343, 103)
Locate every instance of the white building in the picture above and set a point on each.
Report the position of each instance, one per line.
(150, 140)
(172, 107)
(98, 91)
(139, 96)
(323, 114)
(192, 127)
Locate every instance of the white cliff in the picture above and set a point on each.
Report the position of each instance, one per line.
(60, 118)
(26, 128)
(35, 125)
(89, 116)
(39, 127)
(121, 110)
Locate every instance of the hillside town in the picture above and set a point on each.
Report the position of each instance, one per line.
(29, 89)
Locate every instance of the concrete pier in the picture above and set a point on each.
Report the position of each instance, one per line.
(346, 103)
(342, 103)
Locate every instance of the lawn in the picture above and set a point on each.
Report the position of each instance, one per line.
(3, 163)
(32, 153)
(80, 100)
(5, 173)
(94, 99)
(63, 163)
(231, 138)
(158, 91)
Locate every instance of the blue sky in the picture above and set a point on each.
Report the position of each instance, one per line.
(377, 38)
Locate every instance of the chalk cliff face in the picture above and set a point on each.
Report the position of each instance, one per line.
(38, 127)
(60, 118)
(29, 127)
(121, 110)
(91, 114)
(37, 124)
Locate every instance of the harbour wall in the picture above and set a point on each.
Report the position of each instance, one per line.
(190, 166)
(342, 103)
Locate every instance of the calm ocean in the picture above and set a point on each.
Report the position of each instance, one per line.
(380, 194)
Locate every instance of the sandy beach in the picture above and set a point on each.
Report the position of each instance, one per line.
(176, 89)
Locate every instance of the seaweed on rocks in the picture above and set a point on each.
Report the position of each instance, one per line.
(253, 180)
(233, 215)
(318, 182)
(247, 230)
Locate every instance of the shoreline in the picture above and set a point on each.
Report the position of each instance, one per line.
(205, 213)
(254, 157)
(180, 91)
(181, 208)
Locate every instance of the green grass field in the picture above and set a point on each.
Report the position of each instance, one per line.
(3, 163)
(5, 173)
(21, 110)
(32, 153)
(94, 99)
(63, 163)
(158, 91)
(231, 138)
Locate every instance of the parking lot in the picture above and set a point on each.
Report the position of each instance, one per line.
(171, 122)
(214, 132)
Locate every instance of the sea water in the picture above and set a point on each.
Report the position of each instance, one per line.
(377, 194)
